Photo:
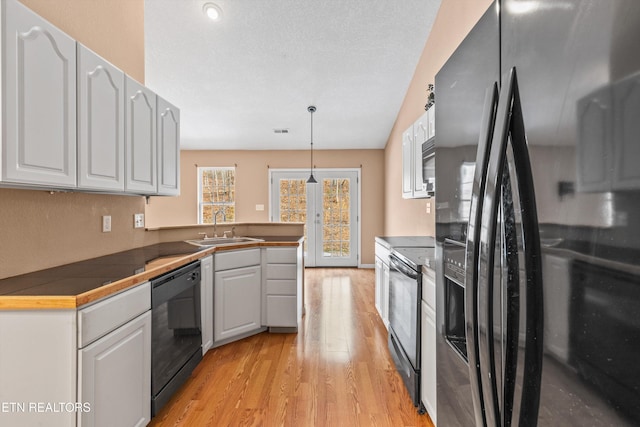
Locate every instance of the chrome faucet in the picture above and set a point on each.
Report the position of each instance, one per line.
(215, 216)
(215, 220)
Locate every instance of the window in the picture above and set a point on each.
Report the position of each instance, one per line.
(216, 194)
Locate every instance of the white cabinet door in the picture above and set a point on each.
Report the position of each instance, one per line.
(206, 302)
(39, 91)
(237, 301)
(378, 289)
(140, 139)
(407, 163)
(595, 151)
(382, 282)
(626, 98)
(168, 148)
(115, 377)
(428, 369)
(421, 130)
(385, 294)
(100, 123)
(431, 122)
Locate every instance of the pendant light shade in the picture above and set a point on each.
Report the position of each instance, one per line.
(311, 109)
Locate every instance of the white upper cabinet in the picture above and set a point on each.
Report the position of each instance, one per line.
(71, 120)
(407, 163)
(421, 130)
(431, 122)
(413, 185)
(595, 148)
(140, 139)
(39, 100)
(168, 148)
(609, 153)
(100, 123)
(626, 105)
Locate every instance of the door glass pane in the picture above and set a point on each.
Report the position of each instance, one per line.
(336, 229)
(293, 203)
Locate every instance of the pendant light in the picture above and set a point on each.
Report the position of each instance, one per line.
(311, 109)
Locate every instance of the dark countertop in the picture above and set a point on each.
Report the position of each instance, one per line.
(406, 241)
(78, 283)
(82, 276)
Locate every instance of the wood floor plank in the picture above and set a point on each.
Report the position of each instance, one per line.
(336, 371)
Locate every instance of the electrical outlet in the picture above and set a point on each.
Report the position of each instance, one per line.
(138, 220)
(259, 207)
(106, 223)
(428, 207)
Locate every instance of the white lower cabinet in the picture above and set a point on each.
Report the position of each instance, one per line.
(237, 294)
(206, 302)
(283, 298)
(236, 302)
(428, 378)
(114, 360)
(114, 377)
(382, 283)
(87, 367)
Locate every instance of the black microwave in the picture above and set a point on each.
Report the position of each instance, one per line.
(429, 166)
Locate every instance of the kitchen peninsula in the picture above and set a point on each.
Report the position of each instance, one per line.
(80, 332)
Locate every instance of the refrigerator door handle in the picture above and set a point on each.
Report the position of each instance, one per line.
(510, 127)
(534, 303)
(486, 259)
(472, 251)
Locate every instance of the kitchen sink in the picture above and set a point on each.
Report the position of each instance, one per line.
(221, 241)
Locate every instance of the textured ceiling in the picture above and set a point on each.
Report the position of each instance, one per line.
(258, 69)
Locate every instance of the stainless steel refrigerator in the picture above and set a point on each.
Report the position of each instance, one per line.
(538, 217)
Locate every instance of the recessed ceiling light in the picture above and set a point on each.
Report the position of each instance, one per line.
(212, 11)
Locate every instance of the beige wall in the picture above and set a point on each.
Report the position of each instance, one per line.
(252, 186)
(454, 20)
(39, 229)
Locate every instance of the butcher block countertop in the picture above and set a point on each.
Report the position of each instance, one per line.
(73, 285)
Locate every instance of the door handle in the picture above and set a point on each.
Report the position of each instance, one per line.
(509, 126)
(471, 255)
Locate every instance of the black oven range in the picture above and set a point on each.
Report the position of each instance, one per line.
(405, 295)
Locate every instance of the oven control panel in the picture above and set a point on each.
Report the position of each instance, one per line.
(454, 254)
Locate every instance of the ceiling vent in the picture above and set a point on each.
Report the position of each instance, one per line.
(281, 131)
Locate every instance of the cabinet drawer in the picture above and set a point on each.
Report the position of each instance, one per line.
(281, 255)
(237, 259)
(281, 271)
(281, 287)
(103, 317)
(429, 288)
(281, 311)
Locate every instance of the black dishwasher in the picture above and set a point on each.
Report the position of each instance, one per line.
(176, 346)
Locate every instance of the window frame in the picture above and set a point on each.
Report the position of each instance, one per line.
(202, 204)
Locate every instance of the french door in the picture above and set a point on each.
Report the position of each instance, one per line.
(329, 210)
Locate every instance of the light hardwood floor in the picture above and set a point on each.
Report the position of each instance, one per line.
(336, 371)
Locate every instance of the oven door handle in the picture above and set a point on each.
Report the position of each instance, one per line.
(402, 267)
